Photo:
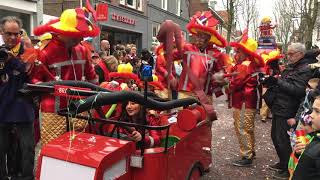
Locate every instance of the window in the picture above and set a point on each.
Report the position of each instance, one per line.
(164, 4)
(184, 34)
(178, 2)
(135, 4)
(139, 5)
(131, 3)
(155, 29)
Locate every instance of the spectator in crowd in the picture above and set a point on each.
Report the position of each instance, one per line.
(105, 66)
(95, 59)
(16, 113)
(147, 57)
(120, 55)
(105, 46)
(133, 50)
(308, 154)
(71, 63)
(153, 50)
(128, 50)
(284, 95)
(271, 68)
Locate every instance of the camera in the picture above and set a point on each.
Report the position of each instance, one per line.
(3, 58)
(262, 77)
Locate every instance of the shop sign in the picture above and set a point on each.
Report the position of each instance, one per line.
(123, 19)
(102, 12)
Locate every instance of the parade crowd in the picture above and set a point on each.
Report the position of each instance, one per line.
(282, 87)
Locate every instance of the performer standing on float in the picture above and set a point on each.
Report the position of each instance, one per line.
(202, 60)
(245, 94)
(64, 58)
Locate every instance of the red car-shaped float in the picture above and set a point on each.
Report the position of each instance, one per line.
(185, 151)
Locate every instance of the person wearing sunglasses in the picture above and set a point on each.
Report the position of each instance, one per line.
(16, 113)
(287, 93)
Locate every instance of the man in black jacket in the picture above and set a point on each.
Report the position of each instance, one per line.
(284, 96)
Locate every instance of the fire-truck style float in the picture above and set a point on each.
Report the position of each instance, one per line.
(185, 152)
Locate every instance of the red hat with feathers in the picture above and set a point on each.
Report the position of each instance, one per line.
(73, 23)
(249, 47)
(205, 22)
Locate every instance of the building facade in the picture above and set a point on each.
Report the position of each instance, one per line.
(161, 10)
(29, 11)
(129, 21)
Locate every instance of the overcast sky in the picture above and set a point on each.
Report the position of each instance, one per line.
(265, 7)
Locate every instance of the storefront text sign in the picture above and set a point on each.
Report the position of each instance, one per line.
(102, 12)
(123, 19)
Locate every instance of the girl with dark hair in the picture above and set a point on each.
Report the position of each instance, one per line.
(132, 112)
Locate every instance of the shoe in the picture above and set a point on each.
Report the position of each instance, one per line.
(276, 167)
(244, 162)
(284, 174)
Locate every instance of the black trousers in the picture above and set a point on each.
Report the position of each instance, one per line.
(25, 139)
(281, 139)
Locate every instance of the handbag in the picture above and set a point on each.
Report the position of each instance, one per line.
(269, 97)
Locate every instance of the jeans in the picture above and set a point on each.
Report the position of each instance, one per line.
(25, 139)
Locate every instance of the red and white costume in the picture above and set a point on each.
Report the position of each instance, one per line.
(62, 67)
(59, 62)
(198, 67)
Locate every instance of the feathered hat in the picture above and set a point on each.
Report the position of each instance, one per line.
(205, 22)
(274, 55)
(249, 47)
(73, 23)
(124, 73)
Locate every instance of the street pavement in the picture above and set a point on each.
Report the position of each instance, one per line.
(225, 148)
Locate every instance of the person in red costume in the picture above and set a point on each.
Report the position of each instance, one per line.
(245, 92)
(203, 62)
(132, 112)
(64, 58)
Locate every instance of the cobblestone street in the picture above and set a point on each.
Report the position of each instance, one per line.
(225, 148)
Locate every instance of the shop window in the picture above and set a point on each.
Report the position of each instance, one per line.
(135, 4)
(178, 5)
(164, 4)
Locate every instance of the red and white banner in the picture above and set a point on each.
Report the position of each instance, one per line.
(102, 12)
